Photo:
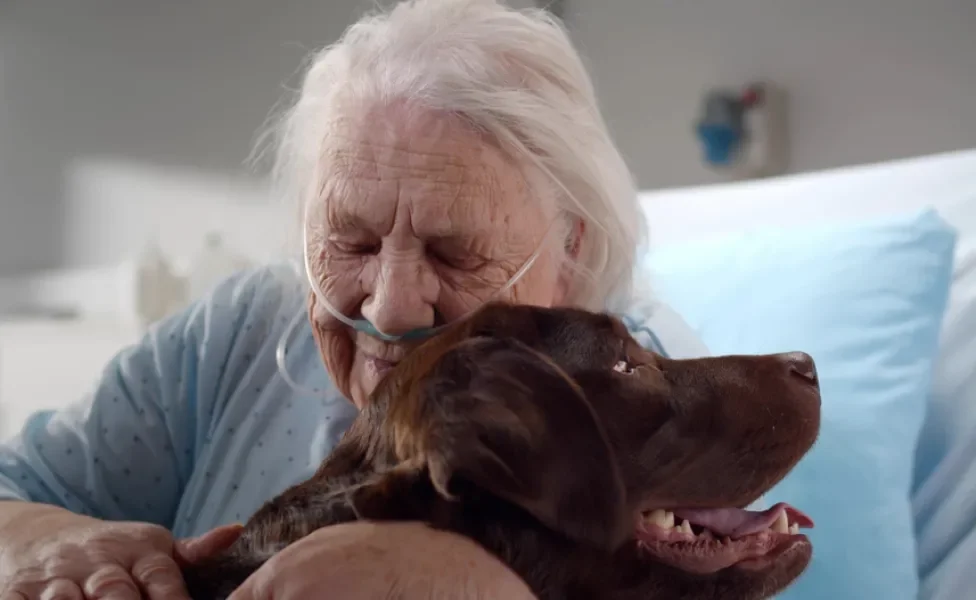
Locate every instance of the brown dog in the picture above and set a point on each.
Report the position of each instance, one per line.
(592, 467)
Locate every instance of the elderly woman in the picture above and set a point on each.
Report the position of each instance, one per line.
(444, 153)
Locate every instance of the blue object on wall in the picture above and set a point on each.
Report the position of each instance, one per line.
(721, 128)
(720, 141)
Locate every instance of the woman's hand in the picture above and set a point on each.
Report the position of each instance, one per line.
(49, 552)
(364, 561)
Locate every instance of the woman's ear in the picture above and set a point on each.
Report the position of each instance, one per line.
(575, 240)
(568, 272)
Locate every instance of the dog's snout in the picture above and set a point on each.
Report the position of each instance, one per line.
(801, 365)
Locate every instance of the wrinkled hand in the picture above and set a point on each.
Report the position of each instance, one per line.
(366, 561)
(57, 554)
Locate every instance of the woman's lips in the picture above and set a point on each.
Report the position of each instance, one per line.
(378, 366)
(378, 358)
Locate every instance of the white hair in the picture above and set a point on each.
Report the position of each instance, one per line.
(512, 74)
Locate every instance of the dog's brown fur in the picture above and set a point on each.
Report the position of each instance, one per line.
(514, 429)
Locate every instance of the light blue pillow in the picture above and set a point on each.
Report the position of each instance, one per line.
(866, 301)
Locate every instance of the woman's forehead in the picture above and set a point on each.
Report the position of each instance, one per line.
(435, 177)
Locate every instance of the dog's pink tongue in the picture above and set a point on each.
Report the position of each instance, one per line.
(737, 522)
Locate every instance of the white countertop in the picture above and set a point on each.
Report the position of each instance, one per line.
(48, 363)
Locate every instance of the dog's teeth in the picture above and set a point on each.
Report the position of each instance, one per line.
(662, 518)
(782, 524)
(685, 527)
(794, 529)
(655, 517)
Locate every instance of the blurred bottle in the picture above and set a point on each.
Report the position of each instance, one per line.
(214, 263)
(158, 290)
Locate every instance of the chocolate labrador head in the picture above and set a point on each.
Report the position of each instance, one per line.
(591, 465)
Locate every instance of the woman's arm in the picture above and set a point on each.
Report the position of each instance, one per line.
(362, 561)
(127, 451)
(17, 514)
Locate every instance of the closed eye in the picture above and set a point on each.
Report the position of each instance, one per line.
(354, 248)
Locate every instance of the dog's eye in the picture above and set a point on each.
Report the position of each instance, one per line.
(623, 367)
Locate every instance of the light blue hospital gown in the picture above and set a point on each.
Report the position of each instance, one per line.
(194, 426)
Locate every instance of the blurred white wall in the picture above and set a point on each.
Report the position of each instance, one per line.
(147, 109)
(177, 86)
(868, 80)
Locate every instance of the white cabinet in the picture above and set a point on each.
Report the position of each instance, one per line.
(49, 364)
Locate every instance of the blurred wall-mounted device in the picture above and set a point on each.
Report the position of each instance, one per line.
(743, 134)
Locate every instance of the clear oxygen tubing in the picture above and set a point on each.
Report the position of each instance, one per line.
(364, 325)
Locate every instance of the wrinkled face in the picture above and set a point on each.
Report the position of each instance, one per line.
(418, 222)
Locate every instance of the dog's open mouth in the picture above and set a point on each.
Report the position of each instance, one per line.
(708, 540)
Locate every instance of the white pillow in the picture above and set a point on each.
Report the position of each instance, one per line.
(944, 181)
(945, 494)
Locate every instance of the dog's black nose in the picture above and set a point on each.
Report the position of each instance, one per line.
(801, 365)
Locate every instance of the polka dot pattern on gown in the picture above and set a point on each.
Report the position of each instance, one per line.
(194, 427)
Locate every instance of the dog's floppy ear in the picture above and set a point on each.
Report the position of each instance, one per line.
(503, 418)
(400, 494)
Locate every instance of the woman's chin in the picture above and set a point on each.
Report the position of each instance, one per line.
(367, 374)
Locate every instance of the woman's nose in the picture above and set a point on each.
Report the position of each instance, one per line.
(402, 297)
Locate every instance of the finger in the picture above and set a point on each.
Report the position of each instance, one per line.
(61, 589)
(254, 587)
(111, 582)
(245, 592)
(211, 543)
(160, 578)
(13, 595)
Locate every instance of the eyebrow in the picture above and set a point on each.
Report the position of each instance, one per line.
(346, 223)
(346, 212)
